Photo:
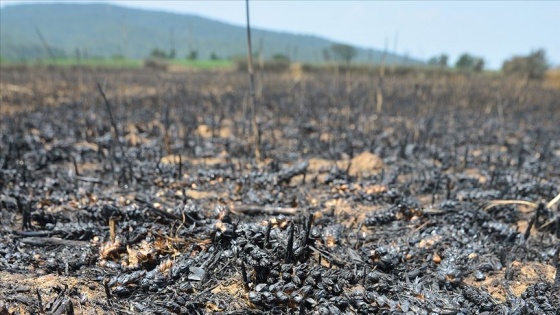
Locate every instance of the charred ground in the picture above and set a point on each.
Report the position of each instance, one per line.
(350, 211)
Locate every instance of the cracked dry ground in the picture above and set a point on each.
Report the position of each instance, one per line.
(349, 210)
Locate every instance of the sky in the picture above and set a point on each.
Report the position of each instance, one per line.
(493, 30)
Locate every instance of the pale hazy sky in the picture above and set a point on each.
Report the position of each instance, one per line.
(494, 30)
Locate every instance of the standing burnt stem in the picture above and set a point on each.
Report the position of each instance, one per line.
(111, 118)
(290, 247)
(252, 97)
(538, 212)
(449, 187)
(465, 158)
(76, 170)
(39, 300)
(520, 159)
(23, 172)
(166, 140)
(24, 208)
(244, 275)
(309, 222)
(533, 221)
(184, 195)
(179, 167)
(107, 291)
(267, 235)
(434, 191)
(117, 135)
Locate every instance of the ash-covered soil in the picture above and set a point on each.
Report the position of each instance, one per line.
(439, 200)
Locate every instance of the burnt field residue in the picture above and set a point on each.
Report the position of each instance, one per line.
(441, 202)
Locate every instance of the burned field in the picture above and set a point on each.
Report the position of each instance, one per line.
(151, 202)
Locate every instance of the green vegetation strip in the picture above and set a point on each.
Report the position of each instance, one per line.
(118, 63)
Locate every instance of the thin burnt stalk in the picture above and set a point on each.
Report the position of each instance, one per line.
(76, 170)
(115, 129)
(179, 167)
(308, 229)
(244, 275)
(434, 191)
(184, 196)
(111, 118)
(107, 291)
(449, 187)
(508, 275)
(290, 247)
(167, 140)
(39, 300)
(252, 98)
(533, 221)
(267, 235)
(24, 208)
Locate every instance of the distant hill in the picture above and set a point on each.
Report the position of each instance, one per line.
(103, 30)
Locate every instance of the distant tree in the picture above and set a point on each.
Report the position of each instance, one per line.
(439, 61)
(469, 63)
(214, 56)
(193, 55)
(478, 64)
(344, 52)
(280, 57)
(533, 66)
(171, 54)
(465, 61)
(158, 53)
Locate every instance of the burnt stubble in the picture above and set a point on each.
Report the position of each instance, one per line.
(136, 191)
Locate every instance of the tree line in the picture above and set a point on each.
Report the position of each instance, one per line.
(532, 66)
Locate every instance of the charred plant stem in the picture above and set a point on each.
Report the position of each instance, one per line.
(111, 118)
(107, 291)
(76, 170)
(252, 98)
(244, 275)
(39, 300)
(267, 235)
(308, 229)
(532, 222)
(290, 247)
(180, 167)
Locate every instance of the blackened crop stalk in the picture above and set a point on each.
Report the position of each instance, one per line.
(111, 118)
(179, 167)
(244, 275)
(252, 98)
(166, 137)
(39, 300)
(115, 129)
(108, 294)
(290, 248)
(539, 207)
(267, 235)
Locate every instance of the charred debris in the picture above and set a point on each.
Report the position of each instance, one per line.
(140, 196)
